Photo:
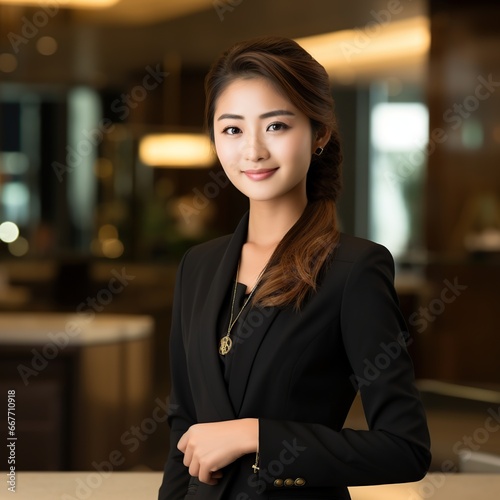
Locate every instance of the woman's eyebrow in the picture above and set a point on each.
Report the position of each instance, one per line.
(269, 114)
(278, 112)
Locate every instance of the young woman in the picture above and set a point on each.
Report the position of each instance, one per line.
(277, 326)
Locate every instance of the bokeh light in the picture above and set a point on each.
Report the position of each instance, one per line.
(9, 232)
(19, 247)
(46, 45)
(8, 63)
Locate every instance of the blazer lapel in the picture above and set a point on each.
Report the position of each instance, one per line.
(249, 337)
(209, 356)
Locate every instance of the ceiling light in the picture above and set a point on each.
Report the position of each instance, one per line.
(374, 49)
(176, 150)
(76, 4)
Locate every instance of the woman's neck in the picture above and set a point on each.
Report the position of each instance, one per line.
(270, 221)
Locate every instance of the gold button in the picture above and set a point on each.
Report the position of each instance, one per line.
(300, 481)
(278, 483)
(289, 482)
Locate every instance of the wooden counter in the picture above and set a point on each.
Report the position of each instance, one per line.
(81, 381)
(144, 486)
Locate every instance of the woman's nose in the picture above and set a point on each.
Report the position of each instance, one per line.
(255, 149)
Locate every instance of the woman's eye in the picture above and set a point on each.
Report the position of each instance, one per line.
(275, 127)
(231, 130)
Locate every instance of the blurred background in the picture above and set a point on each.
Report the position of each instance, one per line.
(106, 179)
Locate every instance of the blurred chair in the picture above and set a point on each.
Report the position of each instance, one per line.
(475, 461)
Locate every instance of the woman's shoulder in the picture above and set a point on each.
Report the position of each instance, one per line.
(359, 260)
(353, 248)
(202, 259)
(207, 252)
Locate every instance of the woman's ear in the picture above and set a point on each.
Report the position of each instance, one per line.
(322, 137)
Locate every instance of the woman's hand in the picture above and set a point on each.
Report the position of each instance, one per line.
(209, 447)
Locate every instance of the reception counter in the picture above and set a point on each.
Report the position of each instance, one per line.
(81, 380)
(68, 330)
(144, 486)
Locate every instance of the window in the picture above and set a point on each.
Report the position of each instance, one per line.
(398, 138)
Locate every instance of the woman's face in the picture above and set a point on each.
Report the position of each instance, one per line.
(263, 141)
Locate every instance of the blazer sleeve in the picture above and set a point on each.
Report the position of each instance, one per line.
(396, 447)
(181, 408)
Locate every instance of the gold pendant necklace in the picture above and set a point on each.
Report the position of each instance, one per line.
(226, 343)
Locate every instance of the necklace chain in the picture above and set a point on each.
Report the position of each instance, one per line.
(226, 342)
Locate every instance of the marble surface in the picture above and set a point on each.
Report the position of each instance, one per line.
(85, 328)
(144, 486)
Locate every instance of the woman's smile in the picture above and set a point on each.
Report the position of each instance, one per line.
(260, 174)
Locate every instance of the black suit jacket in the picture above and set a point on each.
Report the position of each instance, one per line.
(298, 373)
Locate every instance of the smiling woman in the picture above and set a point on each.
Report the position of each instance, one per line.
(274, 325)
(255, 145)
(297, 84)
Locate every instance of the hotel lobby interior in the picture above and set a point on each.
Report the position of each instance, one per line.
(107, 178)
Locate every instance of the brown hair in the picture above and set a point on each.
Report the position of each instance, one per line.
(293, 271)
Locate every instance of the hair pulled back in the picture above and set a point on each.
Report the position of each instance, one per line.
(293, 270)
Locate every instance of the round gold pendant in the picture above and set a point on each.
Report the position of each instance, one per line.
(225, 345)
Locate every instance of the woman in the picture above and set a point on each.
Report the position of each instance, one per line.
(276, 327)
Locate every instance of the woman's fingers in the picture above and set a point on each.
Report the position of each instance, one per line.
(209, 447)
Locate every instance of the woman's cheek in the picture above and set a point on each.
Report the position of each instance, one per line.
(222, 154)
(224, 162)
(227, 160)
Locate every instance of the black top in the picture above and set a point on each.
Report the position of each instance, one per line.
(238, 331)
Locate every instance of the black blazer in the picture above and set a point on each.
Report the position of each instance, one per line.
(298, 373)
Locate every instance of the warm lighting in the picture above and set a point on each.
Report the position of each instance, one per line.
(496, 133)
(176, 150)
(19, 247)
(8, 63)
(374, 47)
(46, 45)
(107, 231)
(79, 4)
(103, 168)
(9, 232)
(112, 248)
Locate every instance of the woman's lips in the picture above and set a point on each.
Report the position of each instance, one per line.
(260, 174)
